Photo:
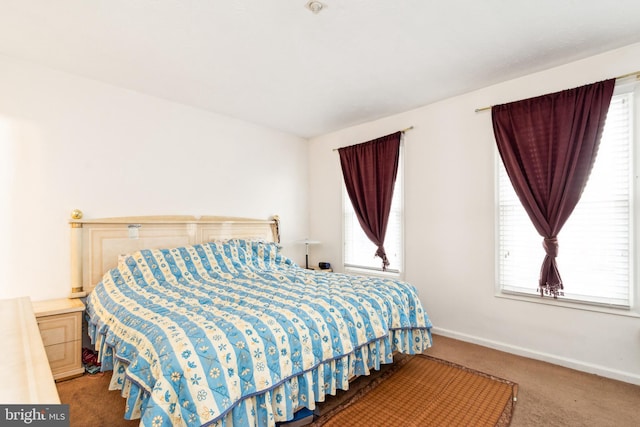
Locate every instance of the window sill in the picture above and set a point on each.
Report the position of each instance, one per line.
(376, 273)
(537, 299)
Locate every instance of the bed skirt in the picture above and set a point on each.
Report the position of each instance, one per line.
(280, 401)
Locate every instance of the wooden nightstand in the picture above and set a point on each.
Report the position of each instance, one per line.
(326, 270)
(60, 324)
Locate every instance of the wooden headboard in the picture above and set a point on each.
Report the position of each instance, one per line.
(96, 244)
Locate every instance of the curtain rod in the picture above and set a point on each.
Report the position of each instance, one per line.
(635, 73)
(403, 131)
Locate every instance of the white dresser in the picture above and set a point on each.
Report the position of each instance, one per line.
(24, 367)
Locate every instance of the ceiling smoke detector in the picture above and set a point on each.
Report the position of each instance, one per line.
(315, 6)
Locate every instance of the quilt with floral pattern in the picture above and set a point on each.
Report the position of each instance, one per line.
(235, 334)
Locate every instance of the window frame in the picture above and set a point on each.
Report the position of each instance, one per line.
(392, 272)
(633, 310)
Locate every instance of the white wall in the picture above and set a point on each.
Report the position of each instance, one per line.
(68, 142)
(450, 225)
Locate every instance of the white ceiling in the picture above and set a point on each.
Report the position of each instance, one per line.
(275, 63)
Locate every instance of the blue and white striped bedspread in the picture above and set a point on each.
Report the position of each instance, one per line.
(235, 334)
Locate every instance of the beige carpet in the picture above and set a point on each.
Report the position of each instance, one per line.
(425, 391)
(92, 404)
(548, 395)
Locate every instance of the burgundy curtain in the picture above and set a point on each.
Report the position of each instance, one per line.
(369, 170)
(548, 145)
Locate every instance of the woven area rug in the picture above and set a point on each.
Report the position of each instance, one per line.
(424, 391)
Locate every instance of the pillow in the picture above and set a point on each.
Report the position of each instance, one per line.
(261, 254)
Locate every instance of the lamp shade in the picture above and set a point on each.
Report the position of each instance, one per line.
(310, 242)
(306, 243)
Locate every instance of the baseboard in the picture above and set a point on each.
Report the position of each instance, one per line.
(545, 357)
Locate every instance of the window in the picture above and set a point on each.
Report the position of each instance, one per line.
(596, 245)
(358, 249)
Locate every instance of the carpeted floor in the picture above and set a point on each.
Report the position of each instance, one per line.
(548, 395)
(91, 403)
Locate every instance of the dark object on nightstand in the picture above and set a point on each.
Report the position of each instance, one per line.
(324, 265)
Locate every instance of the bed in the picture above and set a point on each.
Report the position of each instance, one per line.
(225, 330)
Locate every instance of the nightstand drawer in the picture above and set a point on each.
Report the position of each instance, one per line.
(64, 356)
(60, 328)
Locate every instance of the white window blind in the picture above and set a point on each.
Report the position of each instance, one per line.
(595, 257)
(359, 251)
